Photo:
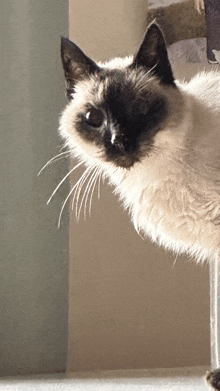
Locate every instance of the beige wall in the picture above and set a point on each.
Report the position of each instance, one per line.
(131, 304)
(107, 28)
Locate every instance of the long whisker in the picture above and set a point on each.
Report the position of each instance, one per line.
(65, 145)
(53, 159)
(98, 177)
(99, 184)
(79, 185)
(91, 191)
(66, 176)
(88, 173)
(71, 191)
(87, 190)
(64, 203)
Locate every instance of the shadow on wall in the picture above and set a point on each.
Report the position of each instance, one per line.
(179, 21)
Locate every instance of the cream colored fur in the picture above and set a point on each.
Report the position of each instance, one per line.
(173, 194)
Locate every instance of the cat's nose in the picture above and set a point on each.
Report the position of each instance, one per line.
(118, 142)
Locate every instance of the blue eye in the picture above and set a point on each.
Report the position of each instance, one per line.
(95, 117)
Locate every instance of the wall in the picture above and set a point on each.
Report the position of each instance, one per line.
(131, 304)
(34, 253)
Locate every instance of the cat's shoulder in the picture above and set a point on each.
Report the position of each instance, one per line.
(205, 86)
(203, 80)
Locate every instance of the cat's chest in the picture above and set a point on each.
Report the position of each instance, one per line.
(172, 211)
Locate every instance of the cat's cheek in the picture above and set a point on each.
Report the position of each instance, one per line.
(173, 137)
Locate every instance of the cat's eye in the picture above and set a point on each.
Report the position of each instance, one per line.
(95, 117)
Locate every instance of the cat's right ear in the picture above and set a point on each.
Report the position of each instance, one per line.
(76, 64)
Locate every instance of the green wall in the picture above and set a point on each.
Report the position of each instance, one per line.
(34, 253)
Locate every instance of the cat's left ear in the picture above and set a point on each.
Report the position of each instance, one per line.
(76, 64)
(152, 54)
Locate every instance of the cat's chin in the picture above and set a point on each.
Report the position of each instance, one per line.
(126, 162)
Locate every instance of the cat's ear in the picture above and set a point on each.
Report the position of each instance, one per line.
(152, 54)
(76, 64)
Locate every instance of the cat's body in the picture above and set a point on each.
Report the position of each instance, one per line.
(157, 141)
(174, 193)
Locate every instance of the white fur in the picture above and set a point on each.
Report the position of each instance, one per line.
(117, 63)
(173, 195)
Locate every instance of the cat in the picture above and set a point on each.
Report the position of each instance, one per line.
(156, 139)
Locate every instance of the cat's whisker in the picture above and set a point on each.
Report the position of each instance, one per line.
(60, 183)
(99, 184)
(86, 191)
(79, 185)
(98, 177)
(91, 194)
(65, 145)
(78, 209)
(57, 157)
(92, 182)
(64, 204)
(79, 189)
(74, 188)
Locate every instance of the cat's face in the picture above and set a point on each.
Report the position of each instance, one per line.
(116, 109)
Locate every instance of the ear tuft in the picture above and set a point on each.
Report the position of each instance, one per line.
(76, 64)
(152, 54)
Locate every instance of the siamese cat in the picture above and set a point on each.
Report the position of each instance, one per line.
(156, 139)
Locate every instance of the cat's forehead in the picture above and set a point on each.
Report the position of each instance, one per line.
(116, 84)
(117, 63)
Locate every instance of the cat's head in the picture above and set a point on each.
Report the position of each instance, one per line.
(116, 109)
